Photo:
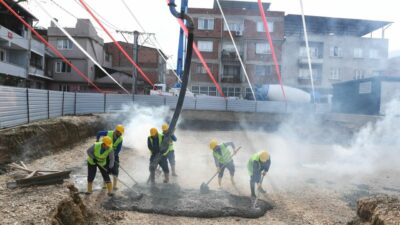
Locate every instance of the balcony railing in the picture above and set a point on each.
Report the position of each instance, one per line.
(314, 60)
(231, 79)
(16, 41)
(229, 56)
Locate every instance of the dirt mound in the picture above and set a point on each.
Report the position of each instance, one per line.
(378, 210)
(170, 199)
(32, 141)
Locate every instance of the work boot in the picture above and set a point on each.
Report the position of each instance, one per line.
(219, 181)
(115, 182)
(89, 189)
(110, 189)
(166, 177)
(233, 181)
(173, 171)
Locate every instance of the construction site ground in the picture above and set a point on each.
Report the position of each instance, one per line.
(299, 191)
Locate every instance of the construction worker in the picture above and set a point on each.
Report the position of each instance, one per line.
(154, 144)
(170, 154)
(97, 157)
(257, 166)
(116, 137)
(223, 159)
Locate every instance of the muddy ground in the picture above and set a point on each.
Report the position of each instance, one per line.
(299, 193)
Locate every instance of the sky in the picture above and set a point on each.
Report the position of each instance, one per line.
(155, 17)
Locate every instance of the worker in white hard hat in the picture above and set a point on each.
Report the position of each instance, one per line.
(257, 166)
(116, 137)
(223, 159)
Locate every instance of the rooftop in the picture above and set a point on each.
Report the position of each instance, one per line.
(230, 4)
(18, 8)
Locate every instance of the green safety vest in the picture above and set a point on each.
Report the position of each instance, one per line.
(101, 158)
(117, 142)
(170, 148)
(225, 156)
(160, 137)
(250, 163)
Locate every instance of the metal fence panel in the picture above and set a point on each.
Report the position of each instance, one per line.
(294, 107)
(56, 101)
(89, 103)
(149, 100)
(241, 106)
(69, 103)
(13, 106)
(115, 102)
(271, 107)
(189, 103)
(209, 103)
(37, 104)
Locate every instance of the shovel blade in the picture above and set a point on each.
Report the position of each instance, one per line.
(204, 189)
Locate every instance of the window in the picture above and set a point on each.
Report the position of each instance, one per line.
(336, 51)
(263, 70)
(36, 61)
(249, 94)
(205, 24)
(304, 73)
(205, 46)
(358, 74)
(205, 90)
(195, 89)
(64, 44)
(335, 74)
(231, 91)
(63, 87)
(314, 52)
(231, 71)
(62, 67)
(358, 53)
(3, 55)
(107, 57)
(200, 69)
(373, 54)
(263, 48)
(260, 26)
(233, 26)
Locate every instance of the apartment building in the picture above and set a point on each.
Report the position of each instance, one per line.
(340, 49)
(22, 57)
(149, 60)
(214, 42)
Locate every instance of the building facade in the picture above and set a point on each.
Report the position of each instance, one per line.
(213, 40)
(340, 50)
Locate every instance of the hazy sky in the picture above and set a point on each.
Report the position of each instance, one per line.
(154, 15)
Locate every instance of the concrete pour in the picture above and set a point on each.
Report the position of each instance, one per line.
(170, 199)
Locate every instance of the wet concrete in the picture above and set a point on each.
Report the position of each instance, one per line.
(170, 199)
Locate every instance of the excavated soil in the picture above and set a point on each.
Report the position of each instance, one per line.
(172, 200)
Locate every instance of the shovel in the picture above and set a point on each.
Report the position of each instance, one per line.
(204, 189)
(258, 195)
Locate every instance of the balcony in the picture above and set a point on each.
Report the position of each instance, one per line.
(231, 79)
(12, 69)
(314, 60)
(230, 57)
(37, 47)
(12, 39)
(307, 80)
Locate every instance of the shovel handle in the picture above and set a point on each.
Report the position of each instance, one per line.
(234, 153)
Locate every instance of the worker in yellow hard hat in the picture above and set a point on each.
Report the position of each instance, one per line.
(223, 159)
(97, 157)
(116, 137)
(170, 153)
(257, 166)
(154, 144)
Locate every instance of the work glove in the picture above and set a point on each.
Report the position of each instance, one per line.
(95, 161)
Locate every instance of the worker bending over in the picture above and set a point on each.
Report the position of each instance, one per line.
(170, 153)
(157, 158)
(116, 137)
(97, 157)
(223, 159)
(257, 166)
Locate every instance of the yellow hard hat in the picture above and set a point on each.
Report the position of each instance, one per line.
(165, 127)
(107, 141)
(213, 144)
(264, 156)
(120, 128)
(153, 132)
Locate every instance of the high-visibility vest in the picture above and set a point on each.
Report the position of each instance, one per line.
(250, 163)
(225, 156)
(117, 142)
(170, 147)
(160, 138)
(101, 158)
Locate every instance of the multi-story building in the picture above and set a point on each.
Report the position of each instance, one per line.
(214, 42)
(340, 50)
(149, 60)
(393, 68)
(66, 79)
(22, 57)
